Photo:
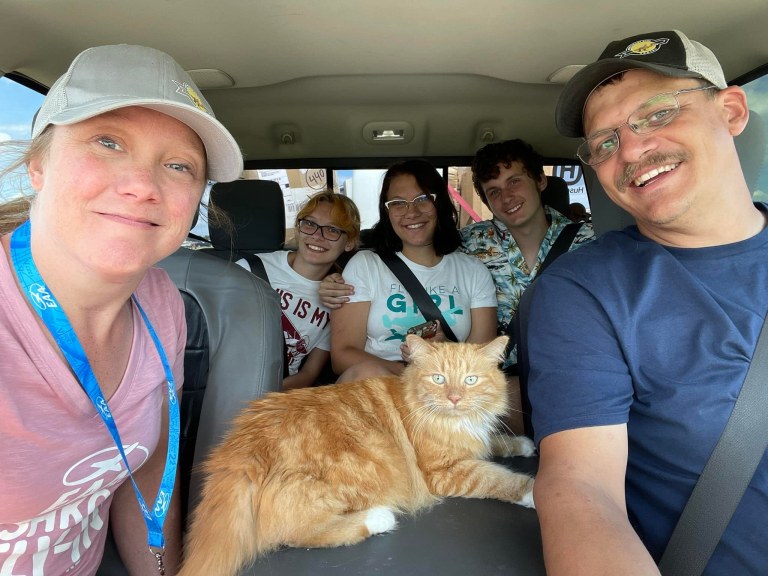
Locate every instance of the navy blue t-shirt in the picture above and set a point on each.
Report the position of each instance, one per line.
(625, 330)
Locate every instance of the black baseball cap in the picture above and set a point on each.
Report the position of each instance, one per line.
(670, 53)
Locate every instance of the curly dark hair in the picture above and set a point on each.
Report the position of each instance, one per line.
(447, 237)
(485, 164)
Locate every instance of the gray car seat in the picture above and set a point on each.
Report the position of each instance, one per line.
(234, 354)
(257, 211)
(556, 194)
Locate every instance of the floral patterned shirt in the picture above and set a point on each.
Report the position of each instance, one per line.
(491, 242)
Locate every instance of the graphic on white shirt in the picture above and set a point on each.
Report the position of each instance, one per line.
(403, 316)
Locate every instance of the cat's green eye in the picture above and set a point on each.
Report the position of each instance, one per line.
(438, 378)
(470, 380)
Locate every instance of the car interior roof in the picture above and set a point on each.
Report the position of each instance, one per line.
(457, 72)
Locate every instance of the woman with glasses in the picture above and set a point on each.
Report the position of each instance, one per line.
(417, 222)
(328, 225)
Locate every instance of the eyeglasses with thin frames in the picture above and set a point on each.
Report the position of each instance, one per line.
(399, 207)
(651, 115)
(328, 232)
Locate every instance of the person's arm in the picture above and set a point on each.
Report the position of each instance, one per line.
(334, 291)
(580, 500)
(310, 370)
(483, 325)
(349, 328)
(128, 526)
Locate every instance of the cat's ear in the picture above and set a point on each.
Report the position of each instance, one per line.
(495, 348)
(417, 345)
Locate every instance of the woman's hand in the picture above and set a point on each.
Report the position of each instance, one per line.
(439, 336)
(334, 292)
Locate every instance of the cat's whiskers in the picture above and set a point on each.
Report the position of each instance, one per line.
(507, 429)
(416, 418)
(426, 420)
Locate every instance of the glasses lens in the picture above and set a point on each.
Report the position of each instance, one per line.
(655, 113)
(397, 207)
(423, 203)
(331, 233)
(307, 227)
(598, 147)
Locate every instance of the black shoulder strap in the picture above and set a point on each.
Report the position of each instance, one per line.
(561, 245)
(726, 475)
(417, 292)
(519, 331)
(257, 266)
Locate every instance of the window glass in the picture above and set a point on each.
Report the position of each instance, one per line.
(753, 150)
(363, 187)
(18, 105)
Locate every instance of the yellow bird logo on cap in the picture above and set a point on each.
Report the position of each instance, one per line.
(642, 47)
(189, 92)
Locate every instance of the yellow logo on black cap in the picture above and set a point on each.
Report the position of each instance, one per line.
(642, 47)
(189, 92)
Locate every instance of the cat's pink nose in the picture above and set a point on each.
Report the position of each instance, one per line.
(454, 398)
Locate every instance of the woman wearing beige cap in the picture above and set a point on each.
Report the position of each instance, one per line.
(91, 334)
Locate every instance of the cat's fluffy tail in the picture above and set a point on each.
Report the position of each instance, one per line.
(223, 536)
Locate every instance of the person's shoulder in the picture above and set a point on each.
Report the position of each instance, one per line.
(611, 250)
(363, 259)
(278, 257)
(474, 226)
(475, 230)
(466, 261)
(156, 278)
(157, 288)
(585, 234)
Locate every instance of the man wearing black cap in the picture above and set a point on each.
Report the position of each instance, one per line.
(657, 323)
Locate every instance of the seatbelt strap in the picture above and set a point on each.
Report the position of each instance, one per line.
(559, 247)
(726, 475)
(426, 305)
(257, 266)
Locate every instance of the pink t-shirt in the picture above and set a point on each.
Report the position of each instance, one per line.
(58, 463)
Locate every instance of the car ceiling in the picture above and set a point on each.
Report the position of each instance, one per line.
(320, 71)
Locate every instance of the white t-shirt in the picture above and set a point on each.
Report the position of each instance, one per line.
(306, 322)
(58, 463)
(457, 284)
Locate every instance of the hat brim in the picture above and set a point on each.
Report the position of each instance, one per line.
(224, 158)
(570, 105)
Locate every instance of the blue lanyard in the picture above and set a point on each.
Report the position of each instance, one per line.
(46, 305)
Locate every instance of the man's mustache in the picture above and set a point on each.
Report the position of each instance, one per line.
(630, 171)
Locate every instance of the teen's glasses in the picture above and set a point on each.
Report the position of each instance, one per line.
(399, 207)
(328, 232)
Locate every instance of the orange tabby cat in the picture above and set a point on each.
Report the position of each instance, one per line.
(331, 466)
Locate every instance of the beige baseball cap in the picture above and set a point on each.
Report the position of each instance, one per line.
(106, 78)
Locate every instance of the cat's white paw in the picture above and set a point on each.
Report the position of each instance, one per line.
(380, 519)
(527, 500)
(525, 446)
